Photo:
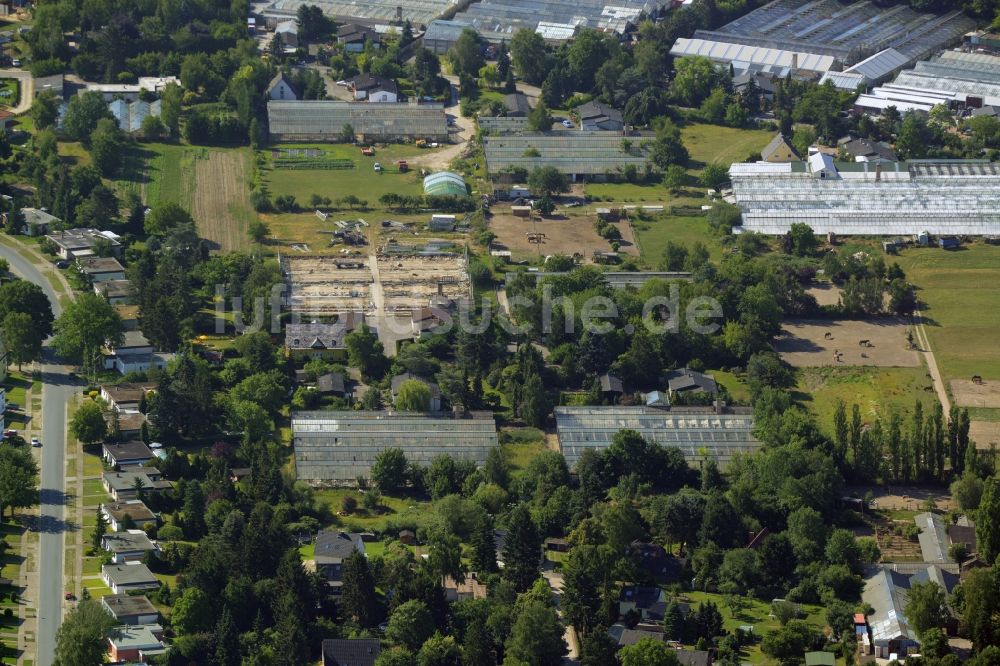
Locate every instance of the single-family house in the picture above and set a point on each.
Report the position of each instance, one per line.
(399, 380)
(470, 588)
(129, 315)
(427, 322)
(122, 485)
(864, 150)
(38, 222)
(516, 104)
(281, 88)
(686, 380)
(332, 383)
(754, 83)
(130, 609)
(321, 340)
(652, 560)
(124, 397)
(887, 589)
(288, 32)
(332, 548)
(128, 546)
(694, 657)
(779, 149)
(55, 84)
(596, 116)
(117, 292)
(100, 269)
(649, 602)
(128, 512)
(134, 642)
(623, 636)
(122, 578)
(75, 243)
(125, 424)
(133, 452)
(134, 354)
(351, 651)
(353, 37)
(374, 88)
(611, 385)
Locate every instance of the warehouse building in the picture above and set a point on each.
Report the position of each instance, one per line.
(441, 35)
(942, 197)
(807, 39)
(417, 12)
(590, 155)
(340, 447)
(302, 120)
(887, 591)
(699, 432)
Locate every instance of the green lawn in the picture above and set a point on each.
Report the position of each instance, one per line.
(874, 390)
(9, 90)
(738, 390)
(626, 192)
(392, 509)
(159, 172)
(652, 236)
(723, 145)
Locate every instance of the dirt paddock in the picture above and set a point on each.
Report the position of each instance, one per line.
(803, 343)
(984, 433)
(969, 394)
(825, 293)
(567, 236)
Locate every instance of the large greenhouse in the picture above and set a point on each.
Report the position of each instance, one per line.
(325, 120)
(339, 447)
(445, 183)
(699, 432)
(576, 153)
(942, 197)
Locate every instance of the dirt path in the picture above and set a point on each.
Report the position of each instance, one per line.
(26, 88)
(461, 133)
(924, 345)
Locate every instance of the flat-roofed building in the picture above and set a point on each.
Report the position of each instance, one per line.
(135, 510)
(134, 642)
(130, 609)
(122, 578)
(128, 546)
(341, 446)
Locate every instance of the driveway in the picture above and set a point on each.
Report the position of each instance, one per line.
(26, 83)
(555, 581)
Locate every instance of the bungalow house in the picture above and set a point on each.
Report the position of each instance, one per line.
(470, 588)
(332, 547)
(128, 546)
(694, 657)
(863, 150)
(133, 511)
(133, 643)
(125, 424)
(132, 452)
(399, 380)
(122, 578)
(317, 340)
(75, 243)
(623, 636)
(599, 116)
(332, 383)
(611, 385)
(351, 651)
(354, 36)
(116, 292)
(374, 88)
(124, 397)
(281, 88)
(38, 222)
(135, 354)
(100, 269)
(122, 485)
(517, 105)
(130, 609)
(686, 380)
(649, 602)
(427, 322)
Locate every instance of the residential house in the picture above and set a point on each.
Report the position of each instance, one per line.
(694, 657)
(427, 322)
(354, 36)
(122, 485)
(122, 578)
(135, 642)
(288, 32)
(281, 88)
(887, 590)
(55, 84)
(117, 292)
(134, 512)
(124, 397)
(125, 424)
(399, 380)
(133, 452)
(128, 546)
(754, 83)
(863, 150)
(374, 88)
(963, 532)
(134, 354)
(74, 243)
(332, 383)
(611, 385)
(130, 609)
(318, 340)
(517, 105)
(441, 35)
(624, 636)
(100, 269)
(38, 222)
(332, 548)
(649, 602)
(779, 149)
(351, 651)
(652, 560)
(470, 588)
(599, 116)
(686, 380)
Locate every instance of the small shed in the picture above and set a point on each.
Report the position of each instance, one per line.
(407, 537)
(948, 243)
(521, 211)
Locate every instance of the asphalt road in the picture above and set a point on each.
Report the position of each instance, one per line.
(56, 393)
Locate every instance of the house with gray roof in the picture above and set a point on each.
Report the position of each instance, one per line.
(122, 485)
(933, 538)
(351, 651)
(136, 511)
(130, 609)
(38, 222)
(332, 548)
(133, 452)
(686, 380)
(128, 576)
(133, 643)
(887, 590)
(128, 546)
(441, 35)
(597, 116)
(281, 88)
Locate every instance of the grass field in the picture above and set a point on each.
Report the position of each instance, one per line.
(392, 508)
(9, 90)
(874, 390)
(723, 145)
(737, 388)
(653, 236)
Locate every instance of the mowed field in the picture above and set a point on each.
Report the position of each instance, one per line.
(213, 184)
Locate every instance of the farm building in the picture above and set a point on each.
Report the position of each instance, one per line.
(808, 39)
(555, 20)
(578, 154)
(445, 182)
(887, 589)
(321, 340)
(304, 120)
(339, 447)
(868, 198)
(696, 431)
(952, 78)
(441, 35)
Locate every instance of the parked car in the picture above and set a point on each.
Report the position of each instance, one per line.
(342, 83)
(16, 62)
(567, 123)
(35, 443)
(378, 168)
(62, 264)
(70, 596)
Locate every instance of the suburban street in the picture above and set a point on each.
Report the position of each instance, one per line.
(56, 393)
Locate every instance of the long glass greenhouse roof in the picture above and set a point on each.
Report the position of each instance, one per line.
(327, 118)
(699, 432)
(340, 446)
(575, 152)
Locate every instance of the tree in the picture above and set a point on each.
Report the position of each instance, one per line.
(45, 110)
(27, 297)
(21, 339)
(227, 640)
(106, 146)
(88, 424)
(981, 604)
(536, 638)
(18, 478)
(914, 137)
(803, 239)
(192, 612)
(484, 552)
(413, 395)
(648, 652)
(82, 637)
(389, 470)
(667, 148)
(258, 231)
(466, 55)
(84, 327)
(674, 178)
(539, 118)
(807, 532)
(530, 56)
(439, 650)
(365, 351)
(694, 80)
(522, 549)
(988, 522)
(357, 598)
(477, 647)
(547, 180)
(968, 491)
(714, 176)
(410, 624)
(100, 529)
(82, 116)
(927, 608)
(166, 217)
(598, 649)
